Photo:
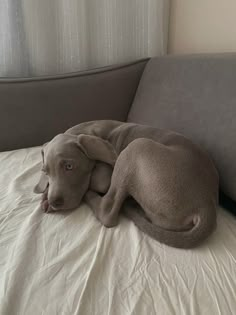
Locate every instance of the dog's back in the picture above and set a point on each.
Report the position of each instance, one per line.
(178, 185)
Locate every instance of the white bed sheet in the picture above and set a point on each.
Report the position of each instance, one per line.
(70, 264)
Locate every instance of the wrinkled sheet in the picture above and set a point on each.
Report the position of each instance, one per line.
(70, 264)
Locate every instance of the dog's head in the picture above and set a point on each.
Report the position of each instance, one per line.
(68, 162)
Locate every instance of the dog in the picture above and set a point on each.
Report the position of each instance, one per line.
(173, 182)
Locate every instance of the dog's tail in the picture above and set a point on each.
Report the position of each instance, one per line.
(204, 225)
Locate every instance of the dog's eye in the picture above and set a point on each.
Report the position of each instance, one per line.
(68, 166)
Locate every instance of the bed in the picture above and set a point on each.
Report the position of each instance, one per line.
(68, 263)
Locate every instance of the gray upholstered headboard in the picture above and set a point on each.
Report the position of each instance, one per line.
(33, 110)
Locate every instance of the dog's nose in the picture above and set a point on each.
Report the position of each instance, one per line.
(57, 202)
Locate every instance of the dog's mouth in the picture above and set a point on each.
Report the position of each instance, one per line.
(62, 211)
(54, 209)
(49, 207)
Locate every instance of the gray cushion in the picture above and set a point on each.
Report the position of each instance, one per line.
(33, 110)
(196, 96)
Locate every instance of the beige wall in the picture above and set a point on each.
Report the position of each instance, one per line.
(202, 26)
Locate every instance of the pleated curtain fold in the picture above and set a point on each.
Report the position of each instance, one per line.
(42, 37)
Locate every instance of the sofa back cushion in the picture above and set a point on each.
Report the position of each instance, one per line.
(33, 110)
(196, 96)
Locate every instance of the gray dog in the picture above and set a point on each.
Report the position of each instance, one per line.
(174, 183)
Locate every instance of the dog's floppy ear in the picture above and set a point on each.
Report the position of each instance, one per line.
(42, 184)
(97, 149)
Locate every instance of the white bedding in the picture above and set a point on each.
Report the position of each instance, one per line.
(70, 264)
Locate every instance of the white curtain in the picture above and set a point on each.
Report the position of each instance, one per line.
(40, 37)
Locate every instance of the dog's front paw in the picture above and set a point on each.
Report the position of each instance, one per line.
(109, 221)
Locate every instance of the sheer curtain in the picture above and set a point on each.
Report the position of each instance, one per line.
(43, 37)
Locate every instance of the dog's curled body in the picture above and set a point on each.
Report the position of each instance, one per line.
(173, 181)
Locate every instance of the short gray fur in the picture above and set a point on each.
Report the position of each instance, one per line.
(173, 180)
